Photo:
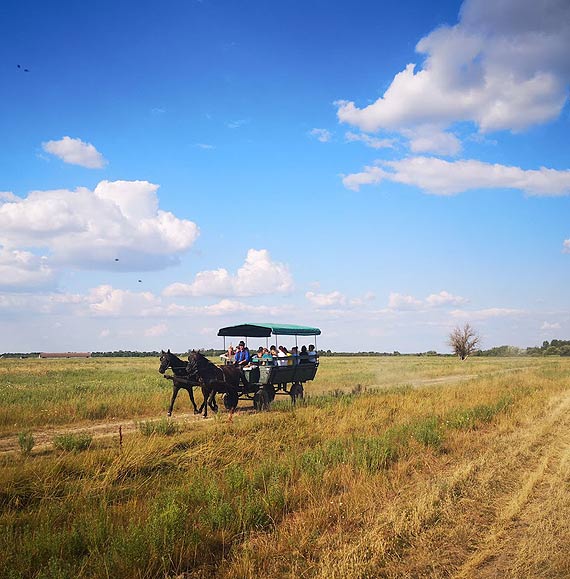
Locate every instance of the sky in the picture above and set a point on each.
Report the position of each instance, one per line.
(383, 171)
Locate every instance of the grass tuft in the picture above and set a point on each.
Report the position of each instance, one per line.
(163, 427)
(26, 442)
(73, 442)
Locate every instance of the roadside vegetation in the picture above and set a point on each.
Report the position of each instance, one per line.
(395, 467)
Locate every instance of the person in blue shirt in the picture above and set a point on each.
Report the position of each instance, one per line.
(242, 356)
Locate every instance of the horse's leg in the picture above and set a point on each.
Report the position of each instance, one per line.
(211, 401)
(191, 393)
(207, 392)
(174, 395)
(205, 397)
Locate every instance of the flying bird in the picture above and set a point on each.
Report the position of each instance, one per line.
(116, 259)
(140, 280)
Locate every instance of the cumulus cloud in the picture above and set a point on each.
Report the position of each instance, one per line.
(155, 331)
(397, 301)
(226, 306)
(105, 300)
(487, 313)
(321, 135)
(566, 246)
(432, 139)
(546, 326)
(75, 152)
(22, 270)
(259, 275)
(326, 300)
(442, 177)
(502, 67)
(444, 298)
(373, 142)
(118, 220)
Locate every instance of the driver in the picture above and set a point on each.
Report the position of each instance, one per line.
(242, 357)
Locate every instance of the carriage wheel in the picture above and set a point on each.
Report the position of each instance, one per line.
(297, 391)
(261, 400)
(230, 400)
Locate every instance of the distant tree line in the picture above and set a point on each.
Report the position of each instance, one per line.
(552, 348)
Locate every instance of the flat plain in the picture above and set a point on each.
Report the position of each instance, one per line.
(391, 467)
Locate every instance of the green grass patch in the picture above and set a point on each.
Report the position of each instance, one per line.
(162, 427)
(73, 442)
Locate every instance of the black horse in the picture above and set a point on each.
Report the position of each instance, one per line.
(216, 379)
(179, 380)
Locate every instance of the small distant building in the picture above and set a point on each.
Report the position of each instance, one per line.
(65, 355)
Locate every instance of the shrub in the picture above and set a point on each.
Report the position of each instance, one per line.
(163, 426)
(26, 442)
(73, 442)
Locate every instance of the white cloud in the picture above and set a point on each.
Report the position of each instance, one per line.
(373, 142)
(444, 298)
(105, 300)
(566, 246)
(205, 146)
(442, 177)
(487, 313)
(259, 275)
(75, 152)
(22, 270)
(238, 123)
(321, 135)
(432, 139)
(503, 66)
(8, 196)
(91, 229)
(547, 326)
(322, 300)
(227, 307)
(398, 301)
(371, 175)
(158, 330)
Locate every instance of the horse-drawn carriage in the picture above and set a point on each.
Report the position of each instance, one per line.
(259, 382)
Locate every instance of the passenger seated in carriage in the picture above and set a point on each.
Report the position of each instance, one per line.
(285, 358)
(263, 357)
(312, 353)
(242, 357)
(304, 355)
(295, 355)
(228, 357)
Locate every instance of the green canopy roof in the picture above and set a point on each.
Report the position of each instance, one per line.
(265, 330)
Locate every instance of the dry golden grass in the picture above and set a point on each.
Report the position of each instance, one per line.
(456, 478)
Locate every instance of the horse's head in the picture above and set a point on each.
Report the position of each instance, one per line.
(165, 361)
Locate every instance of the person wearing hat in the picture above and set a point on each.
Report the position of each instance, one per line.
(242, 356)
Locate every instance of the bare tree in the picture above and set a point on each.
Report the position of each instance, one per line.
(464, 341)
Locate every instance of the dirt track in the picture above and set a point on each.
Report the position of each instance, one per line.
(44, 437)
(532, 522)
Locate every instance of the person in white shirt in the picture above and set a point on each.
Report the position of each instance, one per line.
(312, 353)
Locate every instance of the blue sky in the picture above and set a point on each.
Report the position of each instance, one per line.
(385, 172)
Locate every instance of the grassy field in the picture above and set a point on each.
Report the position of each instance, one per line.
(391, 467)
